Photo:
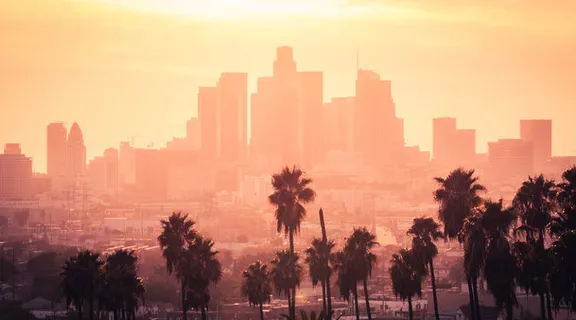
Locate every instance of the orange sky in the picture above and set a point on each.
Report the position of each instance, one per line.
(132, 68)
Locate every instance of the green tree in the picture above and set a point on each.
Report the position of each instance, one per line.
(82, 280)
(406, 277)
(256, 285)
(177, 234)
(458, 197)
(291, 192)
(426, 231)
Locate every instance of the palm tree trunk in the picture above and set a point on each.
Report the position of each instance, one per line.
(410, 312)
(357, 311)
(328, 299)
(79, 308)
(509, 311)
(91, 309)
(183, 288)
(290, 306)
(115, 314)
(261, 312)
(472, 301)
(435, 298)
(323, 282)
(542, 307)
(367, 299)
(293, 306)
(476, 301)
(203, 312)
(549, 306)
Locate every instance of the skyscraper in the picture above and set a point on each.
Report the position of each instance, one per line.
(209, 121)
(15, 174)
(76, 153)
(232, 117)
(263, 131)
(443, 131)
(56, 137)
(309, 115)
(193, 133)
(539, 132)
(510, 158)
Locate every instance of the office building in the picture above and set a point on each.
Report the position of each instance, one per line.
(103, 173)
(56, 140)
(452, 147)
(443, 130)
(539, 133)
(338, 123)
(208, 116)
(76, 153)
(309, 115)
(193, 133)
(232, 135)
(510, 158)
(15, 174)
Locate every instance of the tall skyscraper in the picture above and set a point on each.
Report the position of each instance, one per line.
(56, 150)
(76, 153)
(379, 134)
(193, 133)
(539, 132)
(232, 117)
(209, 121)
(453, 147)
(510, 158)
(15, 174)
(263, 131)
(338, 123)
(126, 165)
(309, 115)
(443, 130)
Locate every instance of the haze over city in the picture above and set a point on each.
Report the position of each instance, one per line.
(287, 159)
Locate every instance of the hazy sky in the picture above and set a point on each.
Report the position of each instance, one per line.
(132, 67)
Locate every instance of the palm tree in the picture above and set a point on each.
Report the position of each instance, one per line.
(458, 197)
(347, 278)
(358, 247)
(566, 218)
(474, 239)
(123, 288)
(318, 258)
(327, 261)
(426, 231)
(500, 265)
(534, 203)
(81, 280)
(291, 192)
(285, 274)
(202, 269)
(406, 277)
(256, 285)
(562, 277)
(177, 234)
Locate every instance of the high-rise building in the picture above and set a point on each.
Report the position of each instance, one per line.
(193, 133)
(208, 116)
(103, 174)
(338, 123)
(443, 131)
(539, 132)
(15, 174)
(464, 147)
(309, 115)
(56, 140)
(379, 135)
(510, 158)
(453, 147)
(232, 117)
(126, 165)
(76, 153)
(263, 142)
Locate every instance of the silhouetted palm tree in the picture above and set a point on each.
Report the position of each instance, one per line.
(256, 285)
(566, 218)
(202, 269)
(177, 234)
(534, 202)
(285, 274)
(347, 278)
(291, 192)
(123, 288)
(406, 277)
(328, 264)
(318, 258)
(458, 197)
(358, 248)
(81, 280)
(425, 232)
(474, 239)
(562, 276)
(500, 265)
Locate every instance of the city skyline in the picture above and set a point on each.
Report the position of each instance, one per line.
(435, 64)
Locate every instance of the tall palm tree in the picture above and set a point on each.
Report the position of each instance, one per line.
(347, 278)
(562, 277)
(534, 202)
(318, 258)
(500, 264)
(202, 269)
(256, 285)
(458, 196)
(81, 280)
(327, 262)
(291, 192)
(286, 274)
(566, 218)
(358, 247)
(473, 237)
(123, 288)
(426, 231)
(177, 234)
(406, 277)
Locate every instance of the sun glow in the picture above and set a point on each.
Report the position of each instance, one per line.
(233, 9)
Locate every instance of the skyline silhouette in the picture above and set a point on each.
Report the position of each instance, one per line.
(90, 74)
